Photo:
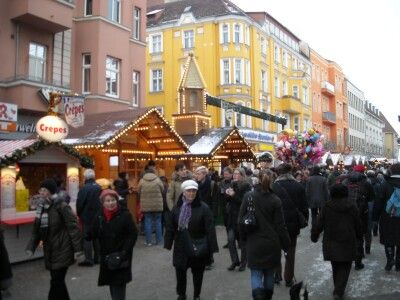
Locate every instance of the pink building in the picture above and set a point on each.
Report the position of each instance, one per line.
(91, 47)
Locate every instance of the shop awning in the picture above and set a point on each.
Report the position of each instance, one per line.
(7, 148)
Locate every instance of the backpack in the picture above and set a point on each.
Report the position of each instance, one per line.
(358, 197)
(393, 204)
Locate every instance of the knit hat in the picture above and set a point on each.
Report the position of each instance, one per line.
(359, 168)
(50, 185)
(189, 185)
(109, 192)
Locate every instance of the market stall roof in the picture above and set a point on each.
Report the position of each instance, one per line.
(12, 151)
(335, 157)
(219, 143)
(104, 129)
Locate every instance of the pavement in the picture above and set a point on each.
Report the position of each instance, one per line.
(154, 276)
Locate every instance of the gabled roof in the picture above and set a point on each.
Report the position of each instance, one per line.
(191, 77)
(199, 9)
(388, 127)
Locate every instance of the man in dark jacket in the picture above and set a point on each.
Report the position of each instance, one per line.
(389, 224)
(5, 267)
(292, 195)
(87, 206)
(316, 192)
(342, 227)
(360, 192)
(122, 188)
(223, 185)
(208, 193)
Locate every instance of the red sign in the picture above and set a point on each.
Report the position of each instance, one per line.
(52, 128)
(8, 117)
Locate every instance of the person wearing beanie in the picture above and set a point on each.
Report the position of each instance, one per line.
(386, 211)
(57, 227)
(191, 222)
(116, 232)
(342, 228)
(87, 206)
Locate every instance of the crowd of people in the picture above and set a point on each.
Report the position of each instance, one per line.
(348, 206)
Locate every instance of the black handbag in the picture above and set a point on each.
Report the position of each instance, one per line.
(195, 247)
(116, 261)
(249, 221)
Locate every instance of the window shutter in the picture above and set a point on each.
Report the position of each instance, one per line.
(221, 33)
(248, 35)
(221, 71)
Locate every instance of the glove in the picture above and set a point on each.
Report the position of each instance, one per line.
(29, 253)
(79, 256)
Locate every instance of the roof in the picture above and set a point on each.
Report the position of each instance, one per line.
(388, 127)
(7, 148)
(104, 128)
(208, 140)
(191, 77)
(172, 11)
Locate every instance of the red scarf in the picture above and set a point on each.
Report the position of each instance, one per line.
(109, 214)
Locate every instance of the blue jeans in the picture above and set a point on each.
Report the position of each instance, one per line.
(262, 279)
(148, 226)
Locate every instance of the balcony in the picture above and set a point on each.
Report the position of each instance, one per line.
(48, 15)
(327, 88)
(329, 117)
(291, 105)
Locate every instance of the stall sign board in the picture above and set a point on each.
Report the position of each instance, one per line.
(52, 128)
(8, 117)
(74, 110)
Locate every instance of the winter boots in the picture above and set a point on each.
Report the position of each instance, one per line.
(389, 251)
(262, 294)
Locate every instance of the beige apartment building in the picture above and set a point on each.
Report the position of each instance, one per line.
(90, 47)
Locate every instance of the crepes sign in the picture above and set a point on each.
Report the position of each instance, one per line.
(74, 110)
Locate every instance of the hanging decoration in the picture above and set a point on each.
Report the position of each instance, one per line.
(301, 148)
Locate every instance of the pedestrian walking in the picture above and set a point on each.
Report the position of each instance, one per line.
(5, 266)
(208, 193)
(240, 186)
(87, 206)
(121, 186)
(264, 244)
(316, 192)
(150, 189)
(174, 190)
(295, 211)
(223, 185)
(56, 226)
(191, 223)
(388, 214)
(342, 228)
(116, 232)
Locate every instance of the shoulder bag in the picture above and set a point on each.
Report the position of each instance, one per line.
(249, 221)
(195, 247)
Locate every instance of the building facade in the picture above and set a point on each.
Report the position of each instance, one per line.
(391, 148)
(248, 59)
(357, 133)
(374, 126)
(95, 48)
(329, 102)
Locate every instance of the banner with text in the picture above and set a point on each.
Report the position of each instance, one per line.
(74, 110)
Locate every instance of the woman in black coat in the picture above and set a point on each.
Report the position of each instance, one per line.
(240, 186)
(190, 219)
(5, 267)
(342, 227)
(264, 244)
(117, 234)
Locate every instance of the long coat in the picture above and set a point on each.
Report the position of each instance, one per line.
(88, 201)
(317, 193)
(117, 235)
(342, 227)
(208, 193)
(61, 239)
(151, 189)
(233, 206)
(265, 243)
(292, 195)
(5, 267)
(201, 225)
(174, 189)
(389, 227)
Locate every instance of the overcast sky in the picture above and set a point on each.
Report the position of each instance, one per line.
(362, 36)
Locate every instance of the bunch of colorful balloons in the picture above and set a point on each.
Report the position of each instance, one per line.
(303, 148)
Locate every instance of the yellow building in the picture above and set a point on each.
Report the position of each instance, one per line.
(246, 59)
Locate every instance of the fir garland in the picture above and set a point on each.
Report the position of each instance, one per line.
(17, 155)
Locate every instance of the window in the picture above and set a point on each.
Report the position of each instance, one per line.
(136, 23)
(285, 87)
(225, 66)
(305, 95)
(238, 71)
(37, 62)
(135, 88)
(188, 39)
(285, 58)
(306, 123)
(296, 123)
(86, 64)
(156, 81)
(263, 46)
(88, 7)
(276, 54)
(276, 87)
(114, 10)
(156, 45)
(294, 64)
(225, 34)
(240, 118)
(248, 74)
(237, 34)
(296, 91)
(112, 76)
(264, 81)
